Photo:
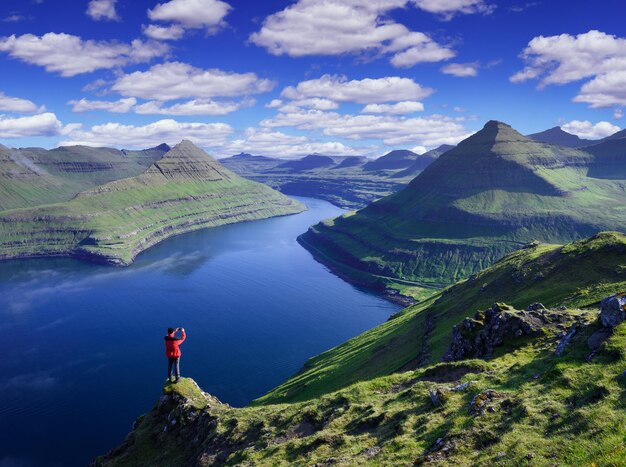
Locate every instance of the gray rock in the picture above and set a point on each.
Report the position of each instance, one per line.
(597, 338)
(535, 307)
(560, 348)
(613, 310)
(371, 452)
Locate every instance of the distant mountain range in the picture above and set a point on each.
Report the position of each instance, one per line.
(558, 136)
(110, 205)
(484, 198)
(347, 181)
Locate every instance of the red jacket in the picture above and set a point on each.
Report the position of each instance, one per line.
(172, 343)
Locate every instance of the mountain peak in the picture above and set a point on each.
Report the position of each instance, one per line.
(556, 135)
(187, 160)
(495, 131)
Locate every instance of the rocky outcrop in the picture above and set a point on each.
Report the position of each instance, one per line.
(477, 337)
(613, 310)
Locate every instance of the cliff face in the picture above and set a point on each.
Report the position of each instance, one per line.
(184, 190)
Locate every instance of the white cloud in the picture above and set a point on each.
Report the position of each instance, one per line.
(461, 70)
(419, 149)
(618, 113)
(588, 130)
(278, 144)
(119, 106)
(365, 91)
(399, 108)
(448, 8)
(70, 55)
(102, 10)
(169, 131)
(335, 27)
(164, 33)
(175, 80)
(15, 104)
(565, 58)
(193, 107)
(428, 131)
(605, 90)
(45, 124)
(192, 14)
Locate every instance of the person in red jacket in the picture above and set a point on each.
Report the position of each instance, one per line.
(172, 352)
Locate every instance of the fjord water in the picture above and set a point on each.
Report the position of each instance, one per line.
(82, 347)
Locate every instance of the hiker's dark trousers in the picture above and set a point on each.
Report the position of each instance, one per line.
(173, 363)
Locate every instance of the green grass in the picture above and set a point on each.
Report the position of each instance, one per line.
(577, 275)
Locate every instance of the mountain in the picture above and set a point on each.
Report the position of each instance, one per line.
(184, 190)
(243, 163)
(422, 161)
(619, 135)
(310, 162)
(394, 160)
(533, 375)
(560, 137)
(32, 176)
(353, 161)
(494, 192)
(609, 157)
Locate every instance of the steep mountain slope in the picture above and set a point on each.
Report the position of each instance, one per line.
(394, 160)
(184, 190)
(535, 401)
(609, 157)
(486, 197)
(32, 176)
(558, 136)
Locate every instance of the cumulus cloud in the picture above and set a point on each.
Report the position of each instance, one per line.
(365, 91)
(70, 55)
(428, 131)
(278, 144)
(102, 10)
(169, 131)
(565, 58)
(335, 27)
(175, 80)
(449, 8)
(192, 14)
(586, 129)
(164, 33)
(461, 70)
(15, 104)
(404, 107)
(193, 107)
(45, 124)
(119, 106)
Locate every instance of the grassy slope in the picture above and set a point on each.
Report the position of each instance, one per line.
(34, 176)
(577, 275)
(183, 191)
(550, 410)
(487, 197)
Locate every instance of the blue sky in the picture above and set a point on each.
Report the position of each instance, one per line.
(288, 78)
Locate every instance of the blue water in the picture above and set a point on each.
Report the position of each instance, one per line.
(82, 347)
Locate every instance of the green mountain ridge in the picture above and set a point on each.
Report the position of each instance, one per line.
(491, 194)
(183, 190)
(385, 398)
